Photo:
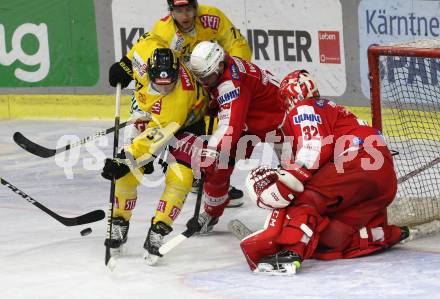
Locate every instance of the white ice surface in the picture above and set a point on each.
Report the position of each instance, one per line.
(41, 258)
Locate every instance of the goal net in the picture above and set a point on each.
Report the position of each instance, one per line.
(405, 101)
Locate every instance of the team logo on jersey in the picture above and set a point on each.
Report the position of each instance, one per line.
(175, 211)
(161, 206)
(228, 97)
(157, 107)
(297, 119)
(209, 21)
(185, 79)
(130, 204)
(235, 74)
(139, 65)
(239, 64)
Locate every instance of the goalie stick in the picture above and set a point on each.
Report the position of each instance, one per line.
(239, 229)
(44, 152)
(90, 217)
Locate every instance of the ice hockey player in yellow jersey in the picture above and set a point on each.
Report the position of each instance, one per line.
(175, 103)
(189, 23)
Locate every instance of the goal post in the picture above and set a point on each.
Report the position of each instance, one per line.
(405, 106)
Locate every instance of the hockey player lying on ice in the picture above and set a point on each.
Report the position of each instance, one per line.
(330, 200)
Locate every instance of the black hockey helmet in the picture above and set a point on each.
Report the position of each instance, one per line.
(163, 66)
(174, 3)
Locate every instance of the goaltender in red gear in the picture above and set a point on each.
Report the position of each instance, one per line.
(330, 200)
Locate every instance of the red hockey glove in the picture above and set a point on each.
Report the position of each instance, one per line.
(275, 188)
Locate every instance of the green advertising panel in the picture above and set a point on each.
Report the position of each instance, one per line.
(48, 43)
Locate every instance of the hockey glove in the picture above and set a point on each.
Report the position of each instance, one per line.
(275, 188)
(121, 72)
(114, 168)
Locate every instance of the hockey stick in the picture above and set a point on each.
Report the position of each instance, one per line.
(93, 216)
(45, 152)
(418, 170)
(174, 242)
(239, 229)
(108, 256)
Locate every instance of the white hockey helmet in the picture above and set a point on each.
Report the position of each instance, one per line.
(206, 58)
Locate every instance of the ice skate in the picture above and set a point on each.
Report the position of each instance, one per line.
(282, 263)
(154, 240)
(119, 235)
(205, 223)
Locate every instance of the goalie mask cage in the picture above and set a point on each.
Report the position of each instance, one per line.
(405, 103)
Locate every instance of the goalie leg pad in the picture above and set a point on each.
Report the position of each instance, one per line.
(373, 237)
(261, 243)
(301, 229)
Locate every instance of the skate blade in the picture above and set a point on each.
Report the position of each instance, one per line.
(235, 203)
(288, 271)
(150, 259)
(118, 252)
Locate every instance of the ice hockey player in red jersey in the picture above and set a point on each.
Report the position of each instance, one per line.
(246, 98)
(329, 201)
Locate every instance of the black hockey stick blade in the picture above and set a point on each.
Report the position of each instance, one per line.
(44, 152)
(32, 147)
(90, 217)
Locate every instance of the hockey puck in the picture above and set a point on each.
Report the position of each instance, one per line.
(86, 231)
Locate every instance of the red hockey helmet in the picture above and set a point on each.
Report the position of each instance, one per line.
(297, 86)
(174, 3)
